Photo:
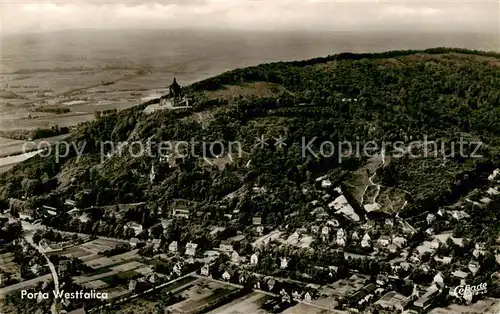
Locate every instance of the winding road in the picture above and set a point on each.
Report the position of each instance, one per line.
(28, 236)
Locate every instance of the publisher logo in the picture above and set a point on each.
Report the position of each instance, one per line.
(468, 291)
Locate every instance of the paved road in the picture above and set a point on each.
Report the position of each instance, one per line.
(29, 238)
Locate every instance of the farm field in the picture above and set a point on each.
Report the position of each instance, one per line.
(250, 303)
(199, 295)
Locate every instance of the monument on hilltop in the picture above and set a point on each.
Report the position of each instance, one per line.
(175, 91)
(175, 98)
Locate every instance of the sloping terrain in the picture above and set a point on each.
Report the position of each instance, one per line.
(440, 94)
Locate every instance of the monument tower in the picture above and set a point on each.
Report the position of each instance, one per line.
(175, 91)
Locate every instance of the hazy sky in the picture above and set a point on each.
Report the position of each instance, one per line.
(33, 16)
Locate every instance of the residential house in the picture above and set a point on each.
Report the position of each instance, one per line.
(393, 302)
(257, 220)
(461, 275)
(392, 248)
(285, 296)
(177, 268)
(473, 267)
(257, 285)
(382, 280)
(479, 250)
(444, 260)
(164, 223)
(284, 263)
(459, 214)
(156, 244)
(216, 230)
(259, 190)
(326, 183)
(485, 200)
(254, 259)
(383, 241)
(235, 257)
(35, 269)
(137, 228)
(153, 278)
(70, 203)
(226, 248)
(400, 242)
(307, 297)
(172, 248)
(326, 197)
(430, 218)
(205, 270)
(325, 231)
(243, 279)
(366, 240)
(319, 179)
(271, 283)
(424, 302)
(133, 242)
(191, 249)
(180, 213)
(226, 276)
(333, 270)
(341, 242)
(480, 246)
(259, 230)
(132, 284)
(405, 266)
(340, 233)
(62, 268)
(435, 244)
(438, 280)
(355, 235)
(494, 175)
(294, 237)
(341, 206)
(493, 191)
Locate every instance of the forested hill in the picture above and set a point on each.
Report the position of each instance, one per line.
(440, 94)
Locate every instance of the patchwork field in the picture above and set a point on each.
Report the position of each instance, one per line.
(7, 263)
(250, 303)
(109, 261)
(89, 250)
(305, 309)
(199, 295)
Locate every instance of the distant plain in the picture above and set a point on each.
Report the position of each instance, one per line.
(89, 70)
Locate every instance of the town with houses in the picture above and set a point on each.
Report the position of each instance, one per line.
(340, 258)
